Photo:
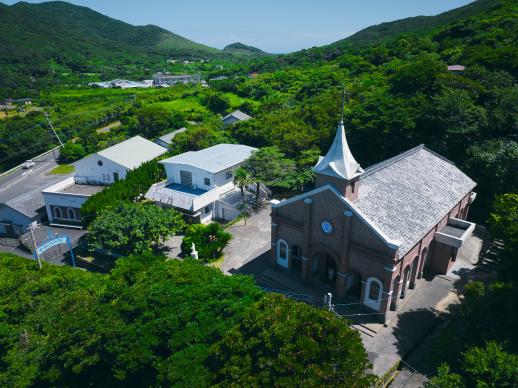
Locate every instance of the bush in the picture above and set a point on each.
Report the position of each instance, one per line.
(209, 240)
(137, 183)
(134, 228)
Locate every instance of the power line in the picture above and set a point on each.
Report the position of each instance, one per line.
(53, 130)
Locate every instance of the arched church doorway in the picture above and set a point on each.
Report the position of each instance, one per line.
(353, 284)
(324, 268)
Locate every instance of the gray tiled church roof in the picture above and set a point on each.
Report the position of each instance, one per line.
(406, 196)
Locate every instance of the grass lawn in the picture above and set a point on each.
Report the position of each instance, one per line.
(236, 100)
(62, 169)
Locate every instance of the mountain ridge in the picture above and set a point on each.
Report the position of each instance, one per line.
(244, 49)
(417, 24)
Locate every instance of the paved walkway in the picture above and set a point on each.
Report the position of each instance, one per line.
(248, 241)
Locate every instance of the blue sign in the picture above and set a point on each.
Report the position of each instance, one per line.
(327, 227)
(47, 244)
(52, 241)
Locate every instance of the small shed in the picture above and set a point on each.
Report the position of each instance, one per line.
(235, 116)
(166, 140)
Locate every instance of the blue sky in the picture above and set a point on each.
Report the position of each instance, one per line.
(276, 26)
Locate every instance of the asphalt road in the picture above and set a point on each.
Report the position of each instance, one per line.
(20, 180)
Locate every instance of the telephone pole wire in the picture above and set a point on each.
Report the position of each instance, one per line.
(53, 130)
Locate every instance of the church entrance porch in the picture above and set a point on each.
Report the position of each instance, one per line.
(324, 268)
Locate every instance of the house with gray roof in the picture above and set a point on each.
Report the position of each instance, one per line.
(201, 183)
(20, 207)
(234, 117)
(371, 233)
(111, 164)
(63, 200)
(167, 139)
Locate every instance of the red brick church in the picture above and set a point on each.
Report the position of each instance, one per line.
(371, 233)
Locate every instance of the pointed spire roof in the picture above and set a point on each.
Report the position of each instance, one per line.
(339, 161)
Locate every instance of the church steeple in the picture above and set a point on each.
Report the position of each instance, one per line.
(339, 167)
(339, 161)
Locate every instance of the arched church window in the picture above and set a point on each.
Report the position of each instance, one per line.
(282, 253)
(373, 292)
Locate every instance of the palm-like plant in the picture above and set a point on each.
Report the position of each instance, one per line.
(241, 180)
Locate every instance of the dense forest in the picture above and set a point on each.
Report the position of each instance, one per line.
(153, 322)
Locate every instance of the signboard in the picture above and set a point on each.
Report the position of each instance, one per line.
(52, 241)
(47, 244)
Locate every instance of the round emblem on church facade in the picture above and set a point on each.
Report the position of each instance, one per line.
(327, 227)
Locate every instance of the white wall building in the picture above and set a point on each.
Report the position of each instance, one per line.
(64, 199)
(201, 183)
(108, 166)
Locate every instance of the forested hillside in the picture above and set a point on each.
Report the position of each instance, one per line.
(42, 40)
(420, 25)
(243, 49)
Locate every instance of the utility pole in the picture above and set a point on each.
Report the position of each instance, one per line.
(31, 228)
(53, 130)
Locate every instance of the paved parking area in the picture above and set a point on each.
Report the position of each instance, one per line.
(249, 241)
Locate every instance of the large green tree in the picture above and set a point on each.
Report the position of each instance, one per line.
(280, 342)
(487, 366)
(268, 166)
(134, 227)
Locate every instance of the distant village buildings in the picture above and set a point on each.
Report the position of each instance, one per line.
(456, 68)
(165, 79)
(122, 84)
(167, 139)
(371, 233)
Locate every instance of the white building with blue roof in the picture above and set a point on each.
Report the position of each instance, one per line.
(201, 183)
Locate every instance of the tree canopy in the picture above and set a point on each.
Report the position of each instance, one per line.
(134, 227)
(152, 322)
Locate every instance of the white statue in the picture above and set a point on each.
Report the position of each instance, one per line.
(194, 253)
